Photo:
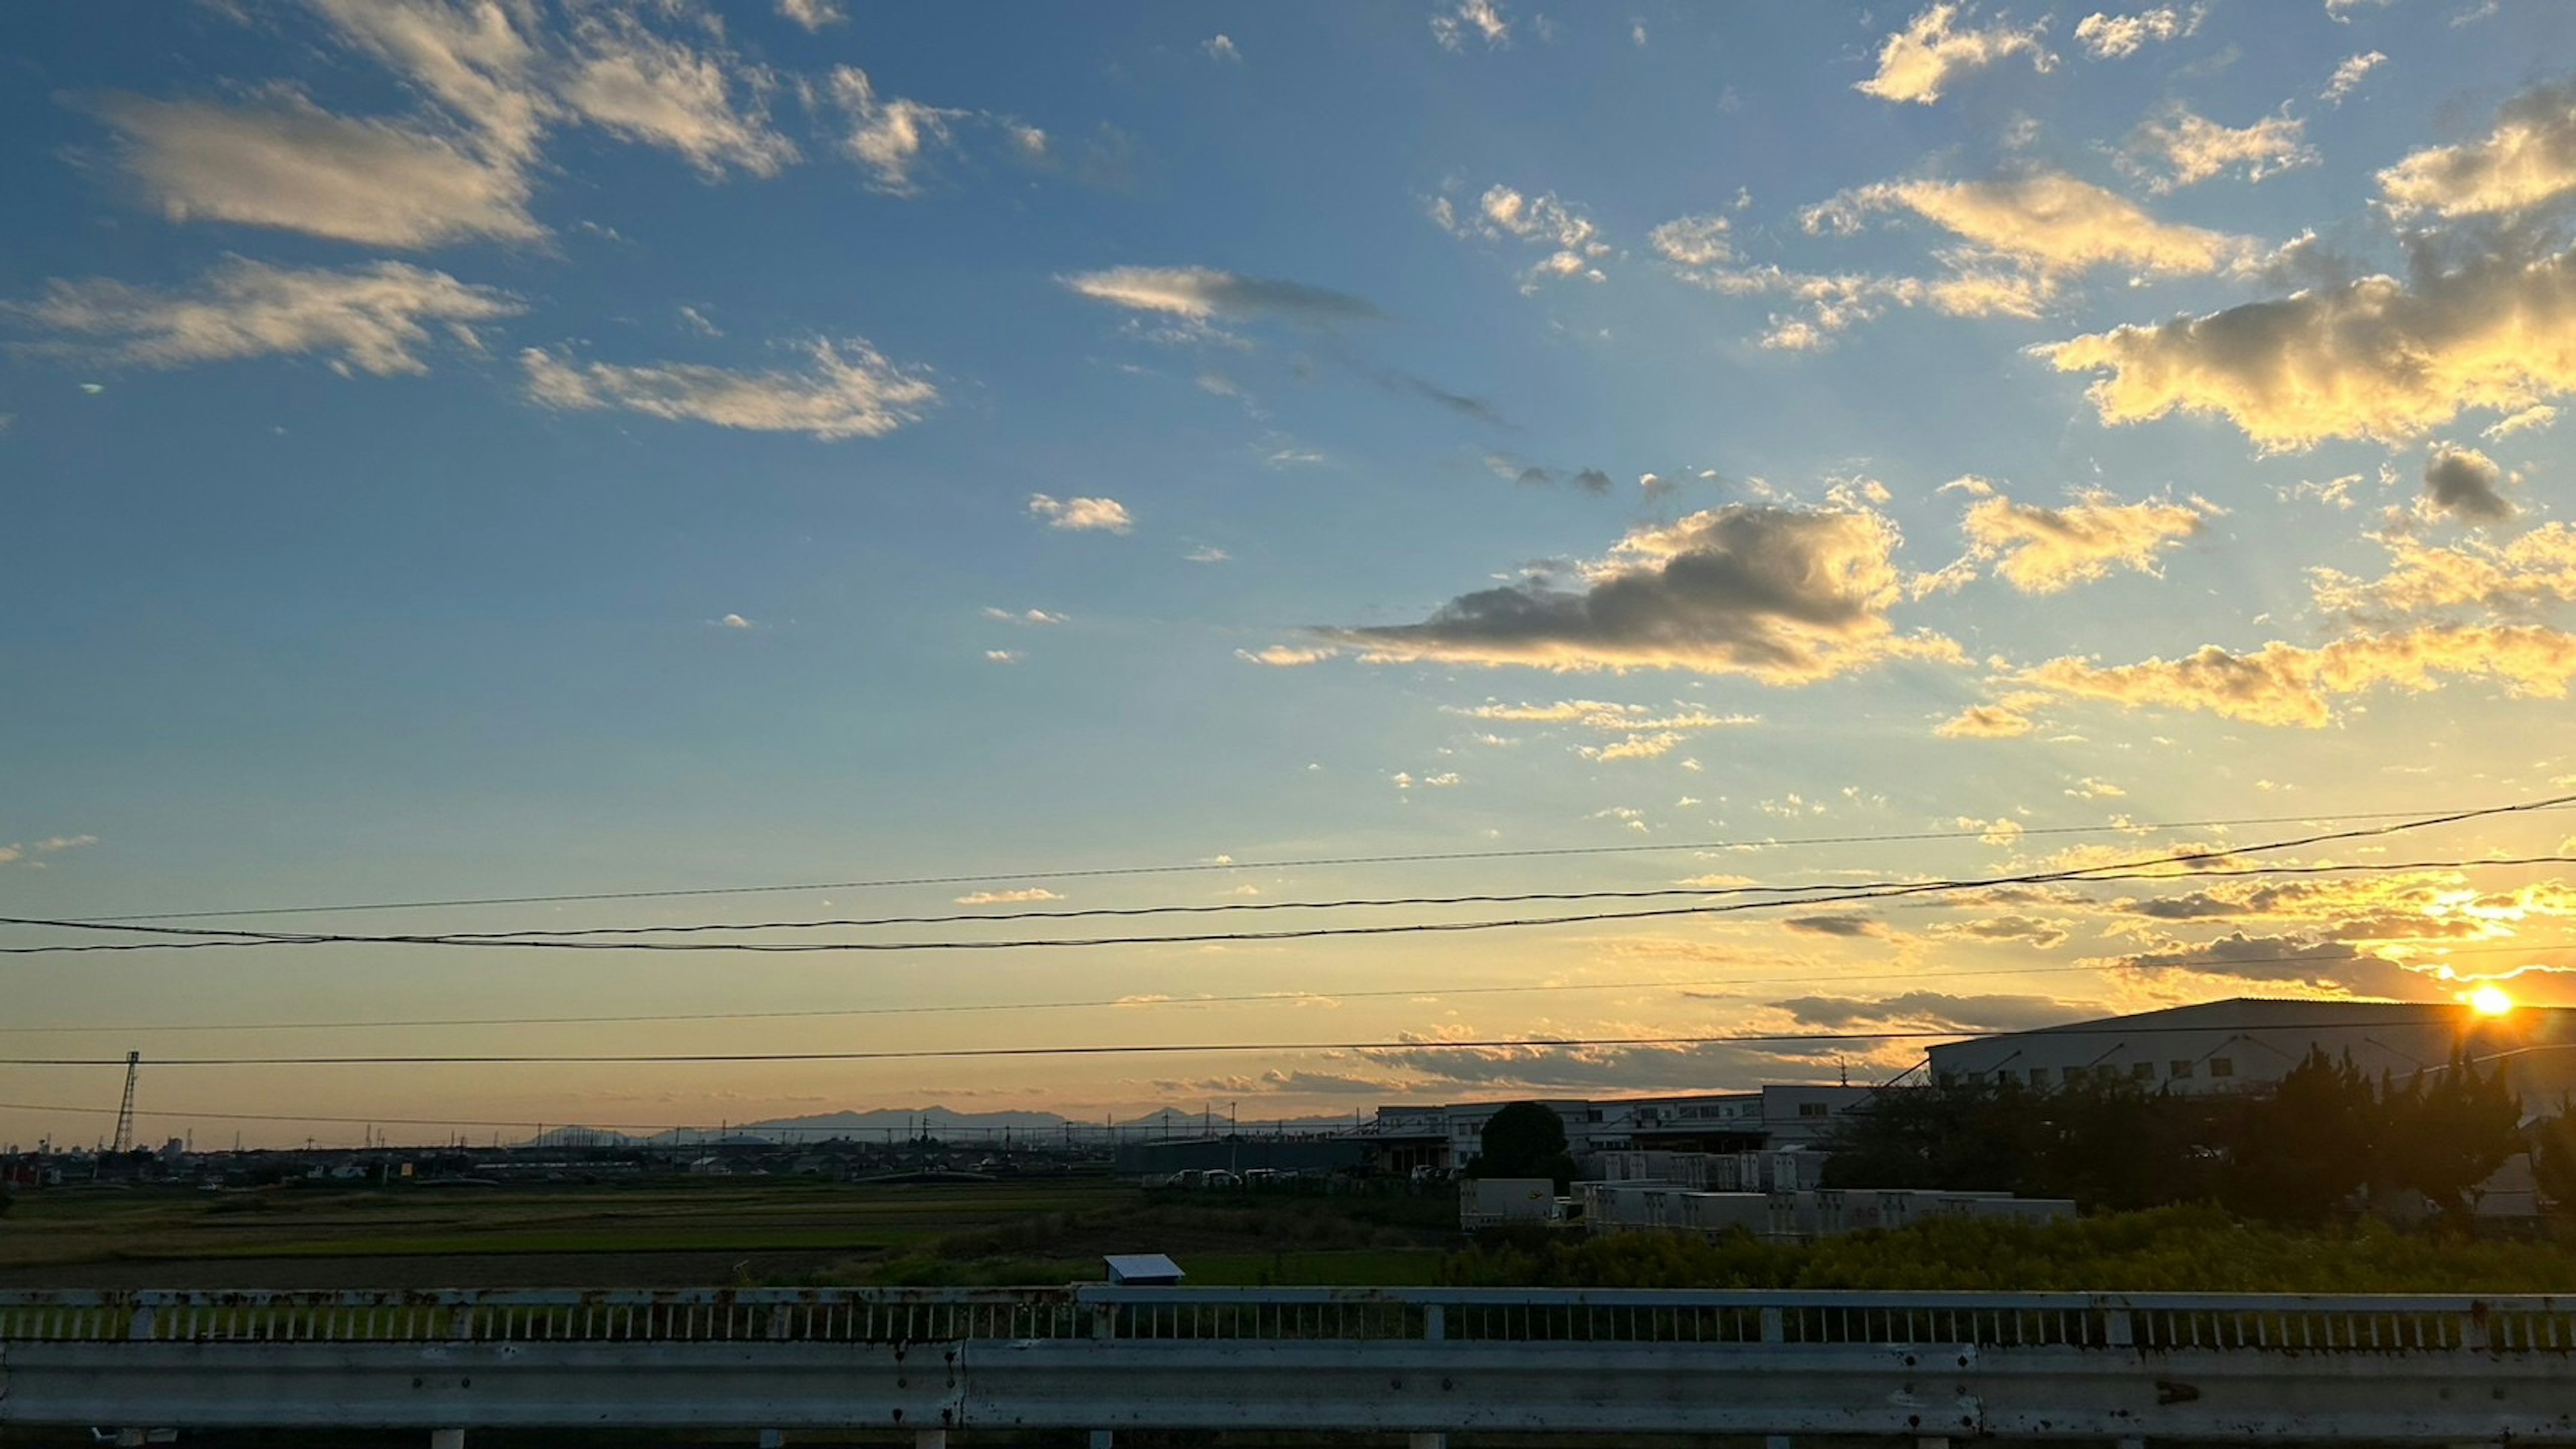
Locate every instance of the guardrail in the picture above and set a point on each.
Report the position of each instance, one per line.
(2515, 1323)
(2391, 1369)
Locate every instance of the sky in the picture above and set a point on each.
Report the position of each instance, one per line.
(458, 449)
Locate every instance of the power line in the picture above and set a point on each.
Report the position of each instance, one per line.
(1570, 1043)
(1246, 998)
(204, 939)
(1096, 872)
(357, 1121)
(1131, 1002)
(1800, 896)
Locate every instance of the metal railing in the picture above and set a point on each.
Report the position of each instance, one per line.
(2504, 1324)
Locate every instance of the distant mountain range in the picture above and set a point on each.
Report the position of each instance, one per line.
(891, 1123)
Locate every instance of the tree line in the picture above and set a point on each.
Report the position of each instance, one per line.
(2304, 1152)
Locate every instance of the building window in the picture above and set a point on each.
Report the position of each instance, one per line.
(2221, 1067)
(2144, 1071)
(1813, 1109)
(2039, 1076)
(2181, 1070)
(1949, 1079)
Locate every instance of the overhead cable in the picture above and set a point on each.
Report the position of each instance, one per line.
(2419, 1017)
(1311, 862)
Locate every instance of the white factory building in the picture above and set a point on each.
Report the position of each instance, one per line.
(1445, 1138)
(2219, 1046)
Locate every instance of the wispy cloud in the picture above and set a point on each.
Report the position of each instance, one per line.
(1008, 897)
(2110, 37)
(290, 165)
(650, 88)
(846, 389)
(1456, 19)
(889, 137)
(2348, 76)
(1575, 245)
(1643, 732)
(2042, 550)
(2289, 684)
(813, 14)
(2180, 149)
(375, 319)
(1202, 293)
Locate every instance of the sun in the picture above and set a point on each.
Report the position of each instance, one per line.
(2490, 1000)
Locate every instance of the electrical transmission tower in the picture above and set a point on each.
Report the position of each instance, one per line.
(125, 1112)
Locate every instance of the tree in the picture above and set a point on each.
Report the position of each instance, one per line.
(2553, 1159)
(2113, 1144)
(1524, 1139)
(2300, 1153)
(2446, 1133)
(1954, 1135)
(2104, 1143)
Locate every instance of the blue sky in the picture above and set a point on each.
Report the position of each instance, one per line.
(469, 449)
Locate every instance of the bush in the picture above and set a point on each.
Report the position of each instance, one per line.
(2167, 1250)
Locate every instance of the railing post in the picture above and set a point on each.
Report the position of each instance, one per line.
(1772, 1328)
(446, 1439)
(1435, 1322)
(929, 1439)
(2119, 1328)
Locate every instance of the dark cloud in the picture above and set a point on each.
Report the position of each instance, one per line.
(2017, 895)
(1459, 403)
(2324, 965)
(2192, 906)
(1532, 475)
(1712, 1067)
(1287, 1083)
(2463, 483)
(1787, 595)
(1936, 1010)
(1849, 923)
(2031, 929)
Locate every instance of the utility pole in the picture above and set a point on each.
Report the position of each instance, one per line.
(125, 1112)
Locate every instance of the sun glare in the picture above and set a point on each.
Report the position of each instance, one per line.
(2490, 1001)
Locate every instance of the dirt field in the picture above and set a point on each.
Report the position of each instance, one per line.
(690, 1234)
(659, 1235)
